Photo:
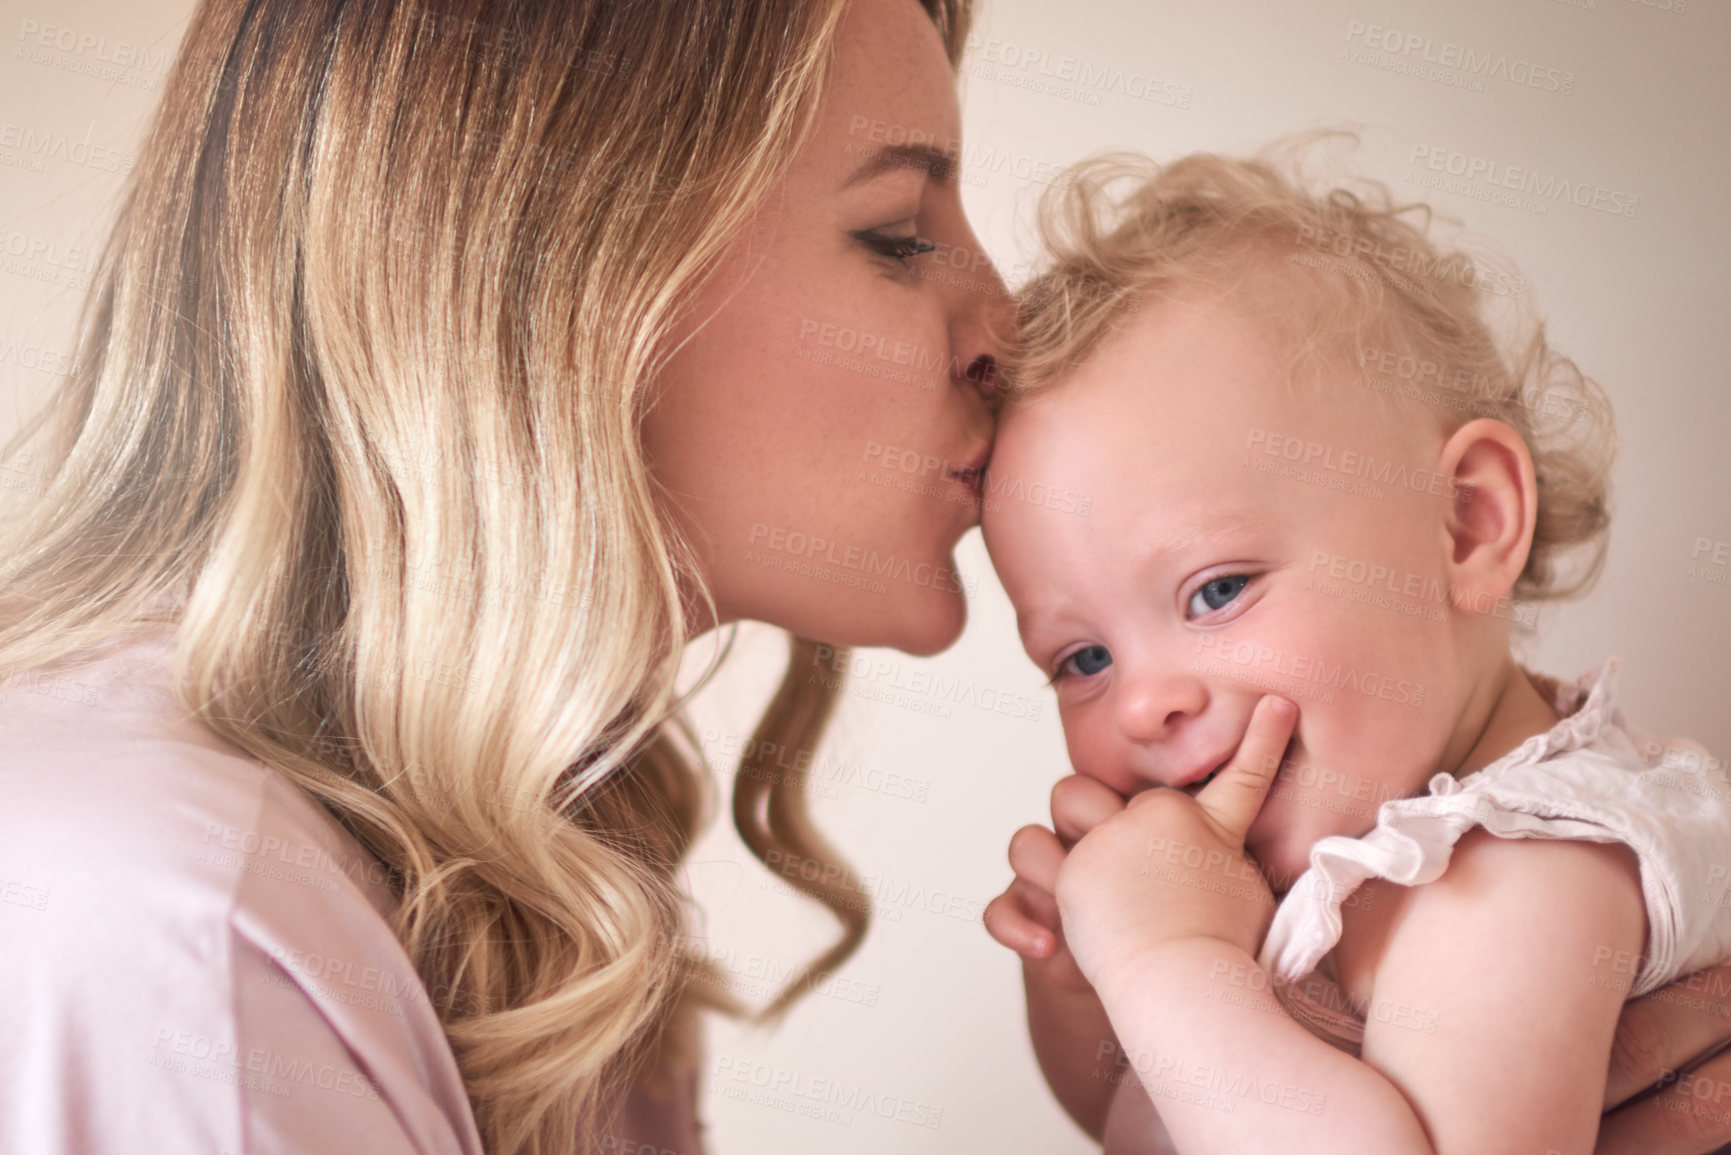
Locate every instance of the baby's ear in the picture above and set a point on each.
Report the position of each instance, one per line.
(1494, 499)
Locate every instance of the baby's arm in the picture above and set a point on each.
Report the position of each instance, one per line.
(1071, 1035)
(1070, 1032)
(1240, 1075)
(1133, 1127)
(1497, 956)
(1493, 1002)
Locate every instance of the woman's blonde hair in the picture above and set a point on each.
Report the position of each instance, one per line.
(1354, 283)
(356, 408)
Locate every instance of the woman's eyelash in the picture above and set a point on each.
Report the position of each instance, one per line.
(903, 249)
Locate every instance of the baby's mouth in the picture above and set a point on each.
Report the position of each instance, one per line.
(1195, 787)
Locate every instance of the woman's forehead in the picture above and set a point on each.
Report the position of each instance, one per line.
(891, 83)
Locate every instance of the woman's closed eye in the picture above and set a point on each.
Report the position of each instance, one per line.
(903, 247)
(1216, 594)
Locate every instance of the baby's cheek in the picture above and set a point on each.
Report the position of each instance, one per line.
(1280, 841)
(1089, 746)
(1077, 743)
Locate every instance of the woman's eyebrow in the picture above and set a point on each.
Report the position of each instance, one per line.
(938, 166)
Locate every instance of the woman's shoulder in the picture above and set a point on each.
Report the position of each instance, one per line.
(196, 950)
(111, 786)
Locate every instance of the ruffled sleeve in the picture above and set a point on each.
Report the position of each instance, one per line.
(1583, 779)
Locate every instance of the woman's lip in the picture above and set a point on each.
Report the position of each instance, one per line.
(974, 472)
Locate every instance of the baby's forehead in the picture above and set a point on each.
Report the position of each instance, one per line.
(1265, 345)
(1189, 397)
(1299, 314)
(1176, 349)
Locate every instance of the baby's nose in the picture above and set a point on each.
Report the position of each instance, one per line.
(1152, 708)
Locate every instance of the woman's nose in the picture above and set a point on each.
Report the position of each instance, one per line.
(982, 373)
(983, 319)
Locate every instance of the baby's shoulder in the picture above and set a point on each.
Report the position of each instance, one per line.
(1531, 885)
(1366, 922)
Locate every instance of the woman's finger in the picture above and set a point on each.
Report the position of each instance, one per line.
(1664, 1031)
(1236, 793)
(1690, 1117)
(1036, 855)
(1079, 804)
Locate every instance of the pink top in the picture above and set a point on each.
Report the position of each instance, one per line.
(194, 955)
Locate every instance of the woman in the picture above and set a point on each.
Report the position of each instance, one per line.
(448, 371)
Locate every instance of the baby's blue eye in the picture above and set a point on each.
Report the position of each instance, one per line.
(1087, 661)
(1216, 594)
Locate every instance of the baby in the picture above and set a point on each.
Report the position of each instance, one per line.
(1396, 887)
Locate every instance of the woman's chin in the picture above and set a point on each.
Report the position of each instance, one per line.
(925, 622)
(938, 621)
(922, 623)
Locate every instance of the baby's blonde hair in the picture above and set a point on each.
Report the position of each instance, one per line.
(1382, 292)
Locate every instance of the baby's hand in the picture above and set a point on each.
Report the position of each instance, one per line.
(1025, 917)
(1066, 1022)
(1171, 866)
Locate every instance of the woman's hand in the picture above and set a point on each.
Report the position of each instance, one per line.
(1658, 1034)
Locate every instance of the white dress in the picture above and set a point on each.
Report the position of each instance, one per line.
(1589, 777)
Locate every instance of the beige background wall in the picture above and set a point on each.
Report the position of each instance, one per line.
(918, 1045)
